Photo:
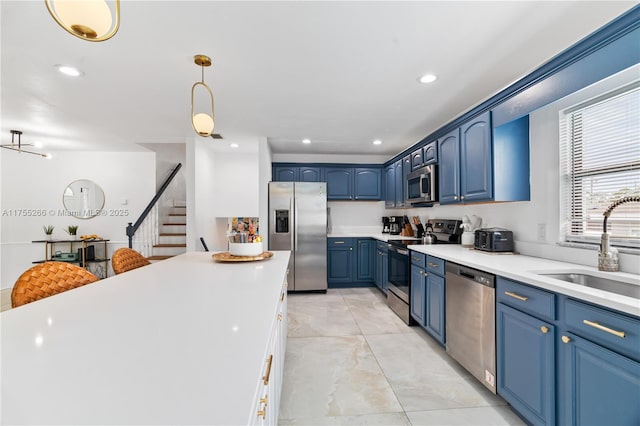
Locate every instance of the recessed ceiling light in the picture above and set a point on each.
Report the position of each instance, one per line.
(68, 70)
(306, 141)
(427, 78)
(377, 142)
(234, 145)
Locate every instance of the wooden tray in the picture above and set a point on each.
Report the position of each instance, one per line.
(227, 257)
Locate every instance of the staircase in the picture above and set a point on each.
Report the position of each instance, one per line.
(172, 239)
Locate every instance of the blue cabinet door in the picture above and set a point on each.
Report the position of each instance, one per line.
(406, 169)
(365, 264)
(339, 183)
(368, 184)
(600, 387)
(430, 153)
(378, 279)
(400, 198)
(449, 168)
(417, 296)
(385, 271)
(340, 265)
(390, 186)
(416, 159)
(310, 174)
(476, 159)
(434, 307)
(525, 354)
(285, 174)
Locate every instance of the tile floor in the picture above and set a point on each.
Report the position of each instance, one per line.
(351, 361)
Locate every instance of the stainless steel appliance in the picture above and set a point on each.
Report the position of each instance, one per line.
(298, 222)
(493, 239)
(395, 224)
(470, 321)
(421, 185)
(385, 224)
(399, 285)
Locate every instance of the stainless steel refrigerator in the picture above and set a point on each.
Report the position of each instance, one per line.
(298, 222)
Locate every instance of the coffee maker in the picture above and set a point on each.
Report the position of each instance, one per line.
(385, 224)
(396, 223)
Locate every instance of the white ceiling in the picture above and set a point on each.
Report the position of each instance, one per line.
(339, 73)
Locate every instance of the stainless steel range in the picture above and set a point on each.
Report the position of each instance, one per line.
(445, 231)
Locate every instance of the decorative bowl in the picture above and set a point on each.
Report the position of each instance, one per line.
(245, 249)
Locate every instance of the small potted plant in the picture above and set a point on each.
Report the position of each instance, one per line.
(72, 230)
(48, 230)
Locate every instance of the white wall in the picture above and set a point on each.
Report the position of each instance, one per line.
(31, 182)
(264, 177)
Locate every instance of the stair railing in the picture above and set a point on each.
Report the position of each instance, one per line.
(132, 228)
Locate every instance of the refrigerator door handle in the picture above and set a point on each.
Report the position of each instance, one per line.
(295, 225)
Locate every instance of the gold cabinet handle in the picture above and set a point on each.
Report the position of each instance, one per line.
(516, 296)
(264, 400)
(263, 413)
(279, 316)
(455, 197)
(544, 329)
(268, 373)
(432, 265)
(414, 258)
(566, 339)
(282, 297)
(462, 197)
(338, 242)
(350, 248)
(603, 328)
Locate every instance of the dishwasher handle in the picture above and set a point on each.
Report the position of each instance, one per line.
(480, 277)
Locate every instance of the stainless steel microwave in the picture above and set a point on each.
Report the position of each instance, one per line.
(421, 185)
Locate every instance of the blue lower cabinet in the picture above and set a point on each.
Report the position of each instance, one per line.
(339, 260)
(382, 270)
(525, 353)
(434, 306)
(365, 264)
(599, 386)
(418, 295)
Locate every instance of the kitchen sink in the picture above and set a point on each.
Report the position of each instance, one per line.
(601, 283)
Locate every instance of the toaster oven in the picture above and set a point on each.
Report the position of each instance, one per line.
(493, 239)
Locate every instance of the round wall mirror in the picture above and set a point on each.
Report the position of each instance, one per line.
(83, 199)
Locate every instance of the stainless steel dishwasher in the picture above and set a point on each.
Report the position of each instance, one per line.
(470, 321)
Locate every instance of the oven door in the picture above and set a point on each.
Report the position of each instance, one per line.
(399, 272)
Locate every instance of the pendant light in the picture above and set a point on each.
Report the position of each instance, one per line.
(91, 20)
(17, 146)
(202, 122)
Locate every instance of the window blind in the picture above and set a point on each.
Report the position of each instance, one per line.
(600, 143)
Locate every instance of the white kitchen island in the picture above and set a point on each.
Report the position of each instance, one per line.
(183, 341)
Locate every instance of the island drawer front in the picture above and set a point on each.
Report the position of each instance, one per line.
(339, 243)
(610, 329)
(381, 245)
(435, 265)
(418, 259)
(526, 298)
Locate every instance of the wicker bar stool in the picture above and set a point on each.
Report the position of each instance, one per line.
(126, 259)
(47, 279)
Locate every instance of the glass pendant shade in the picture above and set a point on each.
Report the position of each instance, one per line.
(203, 124)
(90, 20)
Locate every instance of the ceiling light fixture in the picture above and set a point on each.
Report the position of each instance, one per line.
(202, 122)
(18, 146)
(68, 70)
(306, 141)
(377, 142)
(234, 145)
(91, 20)
(427, 78)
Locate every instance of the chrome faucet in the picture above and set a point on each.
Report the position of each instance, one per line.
(608, 256)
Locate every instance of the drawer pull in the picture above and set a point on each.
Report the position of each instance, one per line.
(544, 329)
(415, 259)
(282, 297)
(338, 242)
(603, 328)
(565, 339)
(432, 265)
(516, 296)
(279, 316)
(263, 413)
(268, 373)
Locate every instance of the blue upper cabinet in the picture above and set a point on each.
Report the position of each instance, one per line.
(390, 186)
(416, 159)
(400, 198)
(430, 153)
(339, 183)
(511, 161)
(449, 168)
(285, 174)
(310, 174)
(406, 169)
(367, 183)
(476, 166)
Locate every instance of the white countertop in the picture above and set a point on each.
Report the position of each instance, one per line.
(380, 236)
(526, 268)
(180, 341)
